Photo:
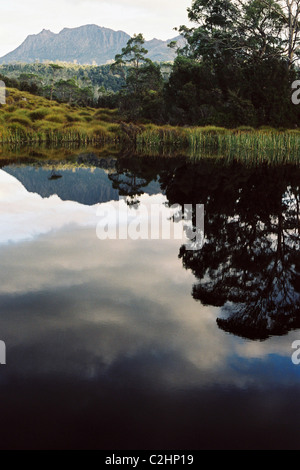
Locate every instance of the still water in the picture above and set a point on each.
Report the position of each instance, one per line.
(123, 344)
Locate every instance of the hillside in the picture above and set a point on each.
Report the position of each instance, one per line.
(88, 44)
(29, 118)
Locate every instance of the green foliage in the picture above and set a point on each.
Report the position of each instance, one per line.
(39, 114)
(23, 120)
(63, 123)
(266, 145)
(16, 129)
(236, 68)
(133, 54)
(46, 121)
(55, 118)
(142, 96)
(47, 79)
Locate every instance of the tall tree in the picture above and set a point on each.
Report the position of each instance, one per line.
(291, 19)
(141, 96)
(234, 29)
(55, 68)
(133, 55)
(243, 66)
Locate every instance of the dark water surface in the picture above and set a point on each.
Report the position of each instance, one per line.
(124, 344)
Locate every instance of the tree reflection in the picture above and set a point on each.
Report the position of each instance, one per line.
(250, 262)
(249, 265)
(133, 174)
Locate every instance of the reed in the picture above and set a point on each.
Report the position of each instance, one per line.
(244, 143)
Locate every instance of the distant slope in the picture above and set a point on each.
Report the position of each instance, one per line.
(88, 44)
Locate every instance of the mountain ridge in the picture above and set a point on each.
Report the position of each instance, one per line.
(85, 45)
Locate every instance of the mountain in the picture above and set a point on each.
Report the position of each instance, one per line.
(88, 44)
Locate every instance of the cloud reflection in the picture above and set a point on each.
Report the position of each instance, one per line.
(74, 305)
(25, 215)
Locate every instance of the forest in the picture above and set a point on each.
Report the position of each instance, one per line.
(238, 67)
(83, 85)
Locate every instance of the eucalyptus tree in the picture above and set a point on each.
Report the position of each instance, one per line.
(55, 68)
(142, 92)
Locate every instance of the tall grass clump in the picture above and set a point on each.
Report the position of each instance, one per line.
(246, 143)
(23, 120)
(39, 114)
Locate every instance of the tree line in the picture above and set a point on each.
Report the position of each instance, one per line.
(81, 85)
(237, 67)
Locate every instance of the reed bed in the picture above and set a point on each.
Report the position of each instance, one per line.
(244, 144)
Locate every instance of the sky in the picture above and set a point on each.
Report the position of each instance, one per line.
(155, 18)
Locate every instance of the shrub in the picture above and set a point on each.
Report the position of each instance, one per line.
(56, 118)
(39, 114)
(23, 120)
(84, 113)
(11, 109)
(100, 133)
(245, 129)
(267, 129)
(50, 126)
(72, 118)
(213, 130)
(113, 128)
(17, 129)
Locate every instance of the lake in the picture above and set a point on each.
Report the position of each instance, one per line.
(146, 344)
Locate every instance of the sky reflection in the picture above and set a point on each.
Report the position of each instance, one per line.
(107, 331)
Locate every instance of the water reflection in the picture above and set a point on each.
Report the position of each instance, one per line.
(106, 347)
(250, 263)
(107, 350)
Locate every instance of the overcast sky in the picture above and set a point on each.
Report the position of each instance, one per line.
(154, 18)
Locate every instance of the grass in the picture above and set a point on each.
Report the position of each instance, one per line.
(31, 119)
(265, 144)
(28, 119)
